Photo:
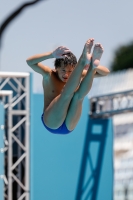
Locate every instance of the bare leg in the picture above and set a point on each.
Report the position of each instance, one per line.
(75, 77)
(75, 108)
(86, 84)
(61, 103)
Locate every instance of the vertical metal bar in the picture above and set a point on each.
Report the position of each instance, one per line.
(2, 132)
(19, 148)
(27, 138)
(10, 149)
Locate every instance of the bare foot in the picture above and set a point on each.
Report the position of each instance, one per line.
(96, 55)
(87, 50)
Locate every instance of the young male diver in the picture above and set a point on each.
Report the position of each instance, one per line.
(66, 86)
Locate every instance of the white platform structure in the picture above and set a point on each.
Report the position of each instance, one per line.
(15, 94)
(113, 96)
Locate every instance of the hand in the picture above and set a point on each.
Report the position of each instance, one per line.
(60, 51)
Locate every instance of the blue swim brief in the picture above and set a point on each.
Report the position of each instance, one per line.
(61, 130)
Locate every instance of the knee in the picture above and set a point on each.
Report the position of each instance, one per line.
(77, 96)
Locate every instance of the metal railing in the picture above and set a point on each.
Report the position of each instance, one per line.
(111, 104)
(14, 93)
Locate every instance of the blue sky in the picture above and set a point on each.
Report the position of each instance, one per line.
(43, 27)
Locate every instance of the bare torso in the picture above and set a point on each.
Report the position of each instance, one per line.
(52, 87)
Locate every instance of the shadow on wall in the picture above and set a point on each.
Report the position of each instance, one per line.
(96, 173)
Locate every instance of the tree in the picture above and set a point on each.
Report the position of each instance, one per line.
(123, 58)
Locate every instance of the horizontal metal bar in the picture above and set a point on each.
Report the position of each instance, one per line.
(18, 112)
(5, 92)
(113, 94)
(110, 113)
(14, 74)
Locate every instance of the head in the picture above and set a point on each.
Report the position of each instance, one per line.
(65, 66)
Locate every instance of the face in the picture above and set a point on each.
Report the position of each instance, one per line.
(64, 72)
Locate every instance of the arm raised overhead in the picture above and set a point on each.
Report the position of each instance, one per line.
(35, 61)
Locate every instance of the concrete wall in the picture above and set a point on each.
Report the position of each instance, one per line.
(56, 160)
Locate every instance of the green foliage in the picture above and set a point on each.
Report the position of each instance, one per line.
(123, 58)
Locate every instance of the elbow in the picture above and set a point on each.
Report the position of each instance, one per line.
(28, 62)
(105, 73)
(108, 72)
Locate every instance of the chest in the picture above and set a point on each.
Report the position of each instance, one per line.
(52, 87)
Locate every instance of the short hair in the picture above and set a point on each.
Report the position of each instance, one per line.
(69, 60)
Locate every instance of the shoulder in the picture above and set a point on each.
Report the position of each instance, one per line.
(48, 75)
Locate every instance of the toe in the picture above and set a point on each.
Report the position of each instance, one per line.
(92, 39)
(96, 45)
